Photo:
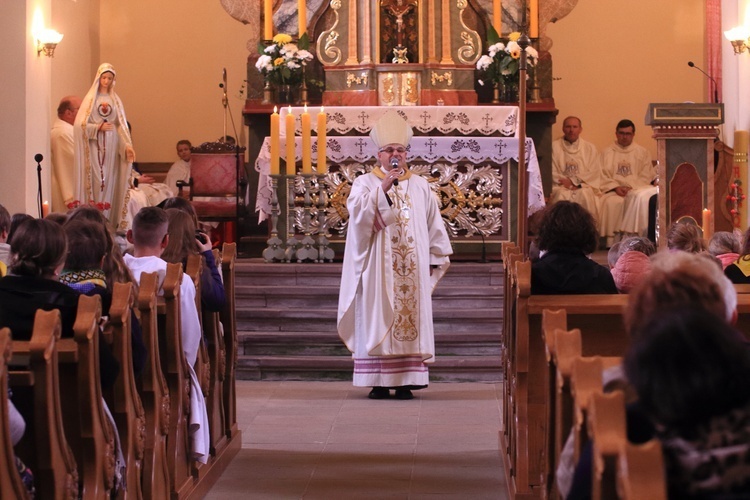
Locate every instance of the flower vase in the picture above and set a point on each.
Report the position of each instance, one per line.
(496, 94)
(509, 94)
(285, 94)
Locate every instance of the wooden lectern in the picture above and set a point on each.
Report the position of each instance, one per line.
(685, 135)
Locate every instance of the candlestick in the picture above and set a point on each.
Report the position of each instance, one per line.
(275, 151)
(497, 16)
(291, 150)
(322, 164)
(268, 19)
(306, 142)
(302, 12)
(534, 18)
(706, 224)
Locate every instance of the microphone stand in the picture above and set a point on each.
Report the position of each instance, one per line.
(38, 158)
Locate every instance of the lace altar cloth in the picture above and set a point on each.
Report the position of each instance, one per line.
(452, 150)
(446, 120)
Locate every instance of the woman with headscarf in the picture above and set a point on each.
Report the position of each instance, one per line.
(104, 149)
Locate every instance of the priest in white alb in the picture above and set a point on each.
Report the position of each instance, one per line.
(396, 250)
(576, 168)
(627, 173)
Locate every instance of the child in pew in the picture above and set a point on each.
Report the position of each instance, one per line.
(149, 237)
(686, 237)
(38, 252)
(184, 240)
(83, 272)
(677, 279)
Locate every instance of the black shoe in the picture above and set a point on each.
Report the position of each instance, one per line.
(379, 393)
(404, 394)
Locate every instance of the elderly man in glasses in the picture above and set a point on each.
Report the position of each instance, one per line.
(397, 249)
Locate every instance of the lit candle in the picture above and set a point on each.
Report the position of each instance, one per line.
(268, 19)
(306, 141)
(497, 16)
(322, 165)
(275, 142)
(291, 152)
(45, 208)
(302, 12)
(534, 18)
(706, 224)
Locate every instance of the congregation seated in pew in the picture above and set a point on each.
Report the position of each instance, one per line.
(725, 246)
(149, 237)
(678, 280)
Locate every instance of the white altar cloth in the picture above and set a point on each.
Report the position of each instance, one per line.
(448, 120)
(453, 150)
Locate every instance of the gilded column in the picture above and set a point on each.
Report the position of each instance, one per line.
(367, 33)
(431, 30)
(351, 60)
(445, 29)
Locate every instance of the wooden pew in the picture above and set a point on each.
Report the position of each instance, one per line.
(229, 323)
(607, 428)
(509, 359)
(10, 482)
(175, 368)
(641, 473)
(87, 427)
(123, 400)
(34, 378)
(195, 268)
(154, 395)
(599, 317)
(214, 341)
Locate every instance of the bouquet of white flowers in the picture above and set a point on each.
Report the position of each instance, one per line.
(500, 65)
(281, 62)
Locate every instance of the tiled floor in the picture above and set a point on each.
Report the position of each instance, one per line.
(326, 440)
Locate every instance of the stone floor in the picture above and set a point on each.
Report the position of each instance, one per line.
(326, 440)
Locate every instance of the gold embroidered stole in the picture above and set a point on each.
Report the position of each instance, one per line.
(405, 273)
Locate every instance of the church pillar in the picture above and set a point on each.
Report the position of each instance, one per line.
(367, 33)
(351, 59)
(446, 33)
(431, 30)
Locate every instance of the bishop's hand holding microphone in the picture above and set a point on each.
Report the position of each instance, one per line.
(394, 165)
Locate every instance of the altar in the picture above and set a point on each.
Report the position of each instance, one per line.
(469, 154)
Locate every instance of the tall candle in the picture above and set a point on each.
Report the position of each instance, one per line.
(534, 18)
(267, 19)
(497, 16)
(322, 118)
(45, 208)
(302, 13)
(306, 142)
(291, 153)
(706, 224)
(275, 142)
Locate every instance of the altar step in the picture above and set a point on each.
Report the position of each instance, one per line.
(286, 322)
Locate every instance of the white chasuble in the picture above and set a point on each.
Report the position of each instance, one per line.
(385, 303)
(578, 161)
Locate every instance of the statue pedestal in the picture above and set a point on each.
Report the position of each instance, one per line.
(685, 135)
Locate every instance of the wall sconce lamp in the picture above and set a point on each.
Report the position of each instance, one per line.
(46, 41)
(739, 37)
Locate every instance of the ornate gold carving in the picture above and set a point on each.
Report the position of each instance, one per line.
(328, 52)
(411, 93)
(352, 78)
(446, 77)
(389, 93)
(469, 52)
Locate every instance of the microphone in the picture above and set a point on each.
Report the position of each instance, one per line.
(716, 87)
(394, 164)
(38, 157)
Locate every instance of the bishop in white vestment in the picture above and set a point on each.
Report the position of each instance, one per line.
(396, 250)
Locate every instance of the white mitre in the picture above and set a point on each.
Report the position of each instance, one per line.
(391, 129)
